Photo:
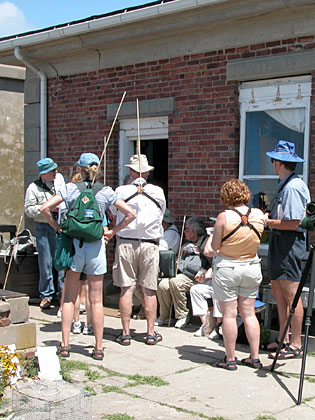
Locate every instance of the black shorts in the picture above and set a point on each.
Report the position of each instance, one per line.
(286, 250)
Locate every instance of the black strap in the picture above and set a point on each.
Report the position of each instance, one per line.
(146, 195)
(276, 196)
(44, 186)
(241, 224)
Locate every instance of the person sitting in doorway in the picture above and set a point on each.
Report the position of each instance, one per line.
(173, 290)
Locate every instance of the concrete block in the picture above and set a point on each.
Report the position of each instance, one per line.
(32, 115)
(31, 139)
(150, 107)
(22, 335)
(19, 310)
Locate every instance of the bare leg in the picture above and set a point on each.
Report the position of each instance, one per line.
(97, 311)
(71, 292)
(246, 308)
(282, 307)
(76, 313)
(125, 306)
(229, 327)
(89, 319)
(289, 289)
(150, 307)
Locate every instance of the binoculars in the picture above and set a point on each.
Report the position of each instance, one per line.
(308, 222)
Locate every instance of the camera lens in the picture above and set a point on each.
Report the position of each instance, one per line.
(310, 208)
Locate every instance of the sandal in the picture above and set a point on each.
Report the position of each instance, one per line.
(151, 340)
(288, 353)
(97, 354)
(228, 365)
(252, 363)
(63, 351)
(273, 345)
(124, 340)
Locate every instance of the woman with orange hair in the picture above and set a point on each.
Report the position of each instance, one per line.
(237, 271)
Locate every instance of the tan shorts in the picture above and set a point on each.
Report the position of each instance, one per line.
(234, 278)
(136, 263)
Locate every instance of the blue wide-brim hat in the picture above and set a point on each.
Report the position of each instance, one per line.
(285, 152)
(46, 165)
(87, 159)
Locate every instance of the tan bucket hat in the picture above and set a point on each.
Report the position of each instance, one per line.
(143, 167)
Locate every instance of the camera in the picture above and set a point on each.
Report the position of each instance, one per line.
(308, 222)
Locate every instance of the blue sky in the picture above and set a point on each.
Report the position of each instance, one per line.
(18, 16)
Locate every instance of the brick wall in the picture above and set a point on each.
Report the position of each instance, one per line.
(203, 131)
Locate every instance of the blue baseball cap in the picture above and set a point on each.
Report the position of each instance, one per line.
(46, 165)
(87, 159)
(285, 152)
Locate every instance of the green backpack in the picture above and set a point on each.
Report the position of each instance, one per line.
(84, 221)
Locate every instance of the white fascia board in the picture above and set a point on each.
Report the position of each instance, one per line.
(106, 22)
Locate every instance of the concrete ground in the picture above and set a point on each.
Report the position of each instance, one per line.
(176, 379)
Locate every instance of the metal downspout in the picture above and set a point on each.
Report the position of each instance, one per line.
(43, 101)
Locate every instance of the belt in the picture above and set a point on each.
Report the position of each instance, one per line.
(151, 241)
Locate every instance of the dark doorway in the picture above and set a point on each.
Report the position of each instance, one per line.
(157, 154)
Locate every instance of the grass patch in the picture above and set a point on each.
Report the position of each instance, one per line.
(184, 370)
(265, 417)
(310, 379)
(110, 388)
(146, 380)
(112, 373)
(92, 375)
(90, 390)
(312, 354)
(67, 366)
(118, 417)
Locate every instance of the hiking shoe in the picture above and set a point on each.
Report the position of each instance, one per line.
(200, 332)
(76, 327)
(88, 329)
(45, 303)
(159, 322)
(181, 323)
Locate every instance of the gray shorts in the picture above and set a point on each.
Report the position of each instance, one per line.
(234, 278)
(136, 263)
(90, 259)
(286, 251)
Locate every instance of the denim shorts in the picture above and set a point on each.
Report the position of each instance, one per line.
(234, 278)
(90, 259)
(286, 252)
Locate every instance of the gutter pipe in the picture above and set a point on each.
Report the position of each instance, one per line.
(43, 101)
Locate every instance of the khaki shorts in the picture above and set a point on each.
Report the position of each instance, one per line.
(234, 278)
(136, 263)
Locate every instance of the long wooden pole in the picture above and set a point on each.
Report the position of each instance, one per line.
(138, 140)
(12, 253)
(177, 263)
(110, 133)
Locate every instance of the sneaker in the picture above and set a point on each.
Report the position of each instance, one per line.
(159, 322)
(88, 329)
(181, 323)
(76, 327)
(45, 303)
(213, 335)
(59, 314)
(82, 308)
(200, 332)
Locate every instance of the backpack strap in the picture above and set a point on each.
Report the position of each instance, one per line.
(244, 222)
(39, 182)
(140, 191)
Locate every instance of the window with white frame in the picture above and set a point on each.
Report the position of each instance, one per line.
(272, 110)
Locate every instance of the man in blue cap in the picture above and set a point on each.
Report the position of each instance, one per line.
(287, 245)
(37, 193)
